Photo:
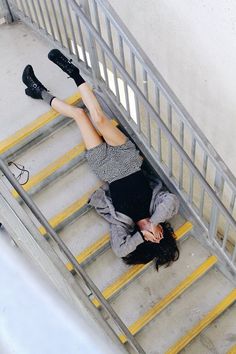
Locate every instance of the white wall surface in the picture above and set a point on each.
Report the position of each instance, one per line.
(192, 44)
(34, 318)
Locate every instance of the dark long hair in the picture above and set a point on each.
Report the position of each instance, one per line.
(164, 252)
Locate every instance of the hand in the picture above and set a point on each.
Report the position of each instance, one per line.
(155, 234)
(151, 232)
(149, 236)
(157, 231)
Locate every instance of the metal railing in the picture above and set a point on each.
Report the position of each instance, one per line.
(71, 258)
(91, 32)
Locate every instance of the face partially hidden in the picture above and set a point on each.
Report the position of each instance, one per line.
(151, 232)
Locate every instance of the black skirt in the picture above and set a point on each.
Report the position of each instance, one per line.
(132, 196)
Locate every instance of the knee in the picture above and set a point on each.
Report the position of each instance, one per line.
(99, 118)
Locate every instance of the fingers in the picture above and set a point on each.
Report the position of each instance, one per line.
(159, 238)
(149, 236)
(157, 232)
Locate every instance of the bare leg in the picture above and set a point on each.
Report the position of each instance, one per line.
(111, 134)
(90, 136)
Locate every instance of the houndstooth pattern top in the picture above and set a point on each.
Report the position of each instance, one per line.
(111, 163)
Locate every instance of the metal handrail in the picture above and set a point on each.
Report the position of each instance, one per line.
(77, 267)
(169, 94)
(153, 112)
(62, 27)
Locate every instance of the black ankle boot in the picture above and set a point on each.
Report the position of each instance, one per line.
(34, 86)
(66, 65)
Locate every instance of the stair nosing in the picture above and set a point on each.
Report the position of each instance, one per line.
(203, 323)
(21, 134)
(108, 292)
(170, 297)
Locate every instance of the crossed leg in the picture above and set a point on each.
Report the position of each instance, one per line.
(111, 134)
(89, 134)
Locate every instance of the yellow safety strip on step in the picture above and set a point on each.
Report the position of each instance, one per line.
(50, 169)
(183, 230)
(89, 251)
(210, 317)
(30, 128)
(69, 211)
(56, 165)
(170, 297)
(134, 271)
(121, 282)
(232, 350)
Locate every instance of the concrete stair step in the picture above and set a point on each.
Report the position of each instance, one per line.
(178, 324)
(54, 147)
(225, 303)
(52, 158)
(218, 337)
(153, 286)
(35, 131)
(67, 196)
(150, 303)
(81, 237)
(120, 280)
(170, 297)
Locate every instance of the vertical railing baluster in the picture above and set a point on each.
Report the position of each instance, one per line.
(81, 40)
(7, 11)
(214, 217)
(157, 99)
(110, 41)
(97, 21)
(42, 16)
(72, 30)
(225, 237)
(170, 157)
(92, 49)
(193, 152)
(181, 163)
(28, 9)
(64, 25)
(122, 56)
(49, 20)
(35, 13)
(234, 254)
(133, 69)
(159, 144)
(204, 172)
(57, 23)
(226, 231)
(158, 108)
(145, 89)
(23, 8)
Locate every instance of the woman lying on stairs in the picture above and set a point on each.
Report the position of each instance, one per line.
(135, 209)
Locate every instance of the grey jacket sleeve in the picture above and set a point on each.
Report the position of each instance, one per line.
(166, 206)
(122, 242)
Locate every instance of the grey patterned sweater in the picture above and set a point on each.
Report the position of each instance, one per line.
(124, 237)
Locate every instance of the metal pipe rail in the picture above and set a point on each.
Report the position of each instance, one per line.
(91, 31)
(173, 141)
(77, 267)
(166, 90)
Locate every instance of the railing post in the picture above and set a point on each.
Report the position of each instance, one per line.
(92, 47)
(219, 183)
(5, 11)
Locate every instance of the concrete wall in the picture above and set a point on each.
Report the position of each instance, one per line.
(192, 44)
